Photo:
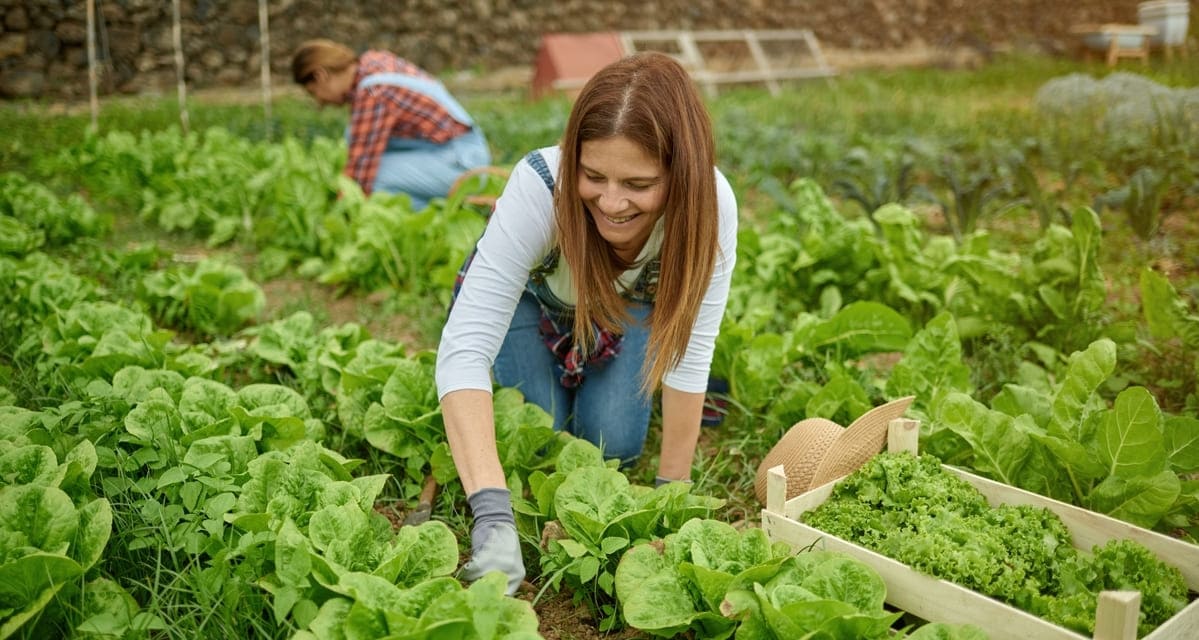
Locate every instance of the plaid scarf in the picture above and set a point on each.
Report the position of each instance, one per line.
(571, 360)
(558, 336)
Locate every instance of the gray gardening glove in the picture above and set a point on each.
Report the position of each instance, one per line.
(494, 545)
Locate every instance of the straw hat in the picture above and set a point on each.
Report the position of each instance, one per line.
(815, 451)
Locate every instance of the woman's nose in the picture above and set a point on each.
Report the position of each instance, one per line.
(612, 202)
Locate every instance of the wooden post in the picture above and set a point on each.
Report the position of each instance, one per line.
(177, 36)
(1116, 615)
(264, 39)
(776, 489)
(903, 434)
(91, 65)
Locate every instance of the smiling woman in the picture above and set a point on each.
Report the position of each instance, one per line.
(602, 276)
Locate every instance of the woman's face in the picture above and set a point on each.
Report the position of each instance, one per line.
(327, 88)
(623, 189)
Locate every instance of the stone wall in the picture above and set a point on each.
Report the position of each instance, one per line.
(43, 42)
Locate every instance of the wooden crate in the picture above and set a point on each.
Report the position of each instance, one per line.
(941, 601)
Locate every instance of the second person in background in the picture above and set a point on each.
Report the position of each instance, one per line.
(407, 134)
(602, 275)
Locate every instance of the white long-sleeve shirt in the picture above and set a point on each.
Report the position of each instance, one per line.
(518, 236)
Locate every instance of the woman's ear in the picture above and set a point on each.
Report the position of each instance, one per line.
(320, 74)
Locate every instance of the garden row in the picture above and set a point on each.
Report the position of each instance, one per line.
(145, 496)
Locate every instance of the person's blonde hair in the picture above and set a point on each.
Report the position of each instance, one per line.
(317, 54)
(649, 99)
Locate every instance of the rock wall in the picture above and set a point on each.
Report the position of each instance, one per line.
(43, 42)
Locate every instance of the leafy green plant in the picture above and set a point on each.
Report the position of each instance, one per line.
(53, 531)
(876, 177)
(592, 515)
(213, 297)
(910, 509)
(1027, 184)
(710, 581)
(1140, 199)
(60, 220)
(370, 607)
(972, 192)
(1128, 461)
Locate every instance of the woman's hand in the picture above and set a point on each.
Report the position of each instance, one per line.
(470, 429)
(494, 545)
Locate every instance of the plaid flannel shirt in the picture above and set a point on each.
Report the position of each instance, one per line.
(380, 112)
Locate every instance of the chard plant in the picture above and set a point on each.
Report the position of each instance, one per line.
(1129, 461)
(1172, 324)
(873, 178)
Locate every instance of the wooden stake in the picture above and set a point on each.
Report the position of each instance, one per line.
(91, 65)
(264, 37)
(177, 36)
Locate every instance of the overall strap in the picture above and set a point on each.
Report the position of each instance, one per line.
(537, 161)
(429, 87)
(550, 262)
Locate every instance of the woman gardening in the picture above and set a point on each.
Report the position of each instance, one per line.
(407, 134)
(602, 275)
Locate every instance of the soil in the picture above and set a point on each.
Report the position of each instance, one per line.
(285, 295)
(562, 619)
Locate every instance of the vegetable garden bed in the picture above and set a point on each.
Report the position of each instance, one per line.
(942, 601)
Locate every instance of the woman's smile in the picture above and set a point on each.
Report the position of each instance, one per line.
(623, 189)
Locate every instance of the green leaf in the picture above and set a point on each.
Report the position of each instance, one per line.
(1182, 443)
(660, 605)
(932, 363)
(863, 327)
(31, 464)
(27, 580)
(420, 553)
(589, 499)
(40, 517)
(1000, 449)
(95, 528)
(847, 580)
(842, 399)
(1086, 371)
(1130, 441)
(1141, 500)
(1166, 312)
(292, 551)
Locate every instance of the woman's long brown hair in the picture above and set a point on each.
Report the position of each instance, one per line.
(649, 99)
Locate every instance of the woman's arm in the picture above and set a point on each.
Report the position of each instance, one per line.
(516, 237)
(470, 428)
(681, 415)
